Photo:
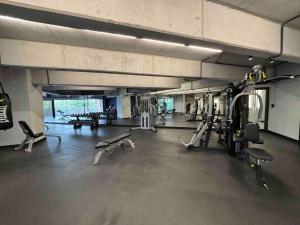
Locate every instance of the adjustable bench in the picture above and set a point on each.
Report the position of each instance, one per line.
(110, 146)
(31, 137)
(259, 155)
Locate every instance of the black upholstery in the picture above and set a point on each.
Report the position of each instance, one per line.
(252, 132)
(259, 153)
(101, 145)
(27, 130)
(117, 138)
(109, 141)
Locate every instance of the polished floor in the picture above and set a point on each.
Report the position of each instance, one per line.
(169, 121)
(157, 183)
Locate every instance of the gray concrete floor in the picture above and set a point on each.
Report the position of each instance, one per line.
(158, 183)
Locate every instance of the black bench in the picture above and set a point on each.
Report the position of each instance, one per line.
(109, 146)
(31, 137)
(260, 155)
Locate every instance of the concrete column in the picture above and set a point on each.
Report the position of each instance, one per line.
(26, 104)
(123, 105)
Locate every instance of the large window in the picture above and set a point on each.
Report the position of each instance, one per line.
(71, 106)
(47, 106)
(169, 103)
(79, 106)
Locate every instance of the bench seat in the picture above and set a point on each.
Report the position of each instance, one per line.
(259, 153)
(112, 140)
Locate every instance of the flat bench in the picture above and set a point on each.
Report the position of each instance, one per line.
(32, 137)
(110, 146)
(112, 140)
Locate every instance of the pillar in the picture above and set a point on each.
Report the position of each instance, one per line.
(123, 104)
(27, 104)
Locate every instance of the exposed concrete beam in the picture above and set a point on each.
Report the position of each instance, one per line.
(77, 88)
(51, 77)
(52, 56)
(199, 20)
(199, 86)
(223, 72)
(64, 57)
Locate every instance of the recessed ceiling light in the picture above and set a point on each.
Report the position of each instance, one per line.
(250, 58)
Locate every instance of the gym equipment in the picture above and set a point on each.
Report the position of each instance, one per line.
(202, 134)
(31, 137)
(110, 146)
(89, 119)
(6, 118)
(147, 117)
(259, 155)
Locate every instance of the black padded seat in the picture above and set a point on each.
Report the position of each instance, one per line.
(112, 140)
(259, 153)
(117, 138)
(102, 144)
(27, 130)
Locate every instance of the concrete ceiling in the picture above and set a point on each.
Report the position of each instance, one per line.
(40, 32)
(278, 10)
(240, 60)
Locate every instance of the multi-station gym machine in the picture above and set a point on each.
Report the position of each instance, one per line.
(148, 114)
(235, 130)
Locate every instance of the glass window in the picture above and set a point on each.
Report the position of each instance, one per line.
(65, 107)
(169, 104)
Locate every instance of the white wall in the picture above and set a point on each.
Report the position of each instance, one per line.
(178, 103)
(284, 118)
(26, 104)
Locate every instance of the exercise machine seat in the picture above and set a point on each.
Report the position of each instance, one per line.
(252, 134)
(27, 130)
(259, 153)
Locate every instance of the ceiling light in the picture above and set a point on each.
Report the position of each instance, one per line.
(205, 49)
(112, 34)
(163, 42)
(250, 58)
(272, 60)
(10, 18)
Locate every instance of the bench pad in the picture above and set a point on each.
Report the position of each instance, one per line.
(112, 140)
(117, 138)
(259, 153)
(101, 145)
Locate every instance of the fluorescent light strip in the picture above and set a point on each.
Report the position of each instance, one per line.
(163, 42)
(133, 37)
(11, 18)
(205, 49)
(111, 34)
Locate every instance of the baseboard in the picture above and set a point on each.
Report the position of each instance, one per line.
(283, 136)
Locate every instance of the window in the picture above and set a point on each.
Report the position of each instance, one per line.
(169, 102)
(71, 106)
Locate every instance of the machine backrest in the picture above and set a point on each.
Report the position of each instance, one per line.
(26, 129)
(252, 132)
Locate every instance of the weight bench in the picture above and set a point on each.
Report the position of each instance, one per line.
(110, 146)
(31, 137)
(259, 155)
